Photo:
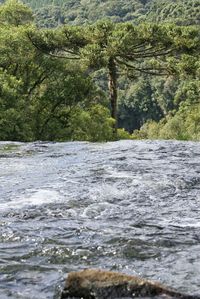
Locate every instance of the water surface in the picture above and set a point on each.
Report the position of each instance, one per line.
(130, 206)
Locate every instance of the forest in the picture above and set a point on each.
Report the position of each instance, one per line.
(99, 70)
(51, 13)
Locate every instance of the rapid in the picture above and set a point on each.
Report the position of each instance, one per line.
(129, 206)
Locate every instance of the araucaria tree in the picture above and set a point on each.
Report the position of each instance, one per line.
(120, 48)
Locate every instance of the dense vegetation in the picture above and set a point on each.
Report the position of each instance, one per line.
(54, 82)
(50, 13)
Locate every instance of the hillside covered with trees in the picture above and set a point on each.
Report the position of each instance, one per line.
(138, 70)
(51, 13)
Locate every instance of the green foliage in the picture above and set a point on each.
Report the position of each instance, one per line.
(138, 103)
(170, 128)
(123, 134)
(74, 12)
(94, 124)
(182, 12)
(39, 94)
(9, 111)
(183, 123)
(15, 13)
(48, 86)
(64, 93)
(52, 13)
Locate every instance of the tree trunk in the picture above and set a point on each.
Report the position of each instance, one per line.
(112, 85)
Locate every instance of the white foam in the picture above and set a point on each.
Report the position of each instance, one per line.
(107, 193)
(36, 198)
(95, 210)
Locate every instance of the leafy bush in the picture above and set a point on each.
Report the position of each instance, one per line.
(123, 134)
(184, 125)
(94, 124)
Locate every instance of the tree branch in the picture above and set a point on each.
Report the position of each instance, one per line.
(151, 71)
(142, 54)
(49, 51)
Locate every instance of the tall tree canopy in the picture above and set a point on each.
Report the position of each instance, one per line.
(41, 96)
(126, 48)
(49, 77)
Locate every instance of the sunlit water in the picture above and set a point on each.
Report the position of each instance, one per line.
(130, 206)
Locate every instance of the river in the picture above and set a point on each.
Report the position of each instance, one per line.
(129, 206)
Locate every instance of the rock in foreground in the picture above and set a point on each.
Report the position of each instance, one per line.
(98, 284)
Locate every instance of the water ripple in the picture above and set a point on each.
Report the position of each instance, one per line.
(131, 206)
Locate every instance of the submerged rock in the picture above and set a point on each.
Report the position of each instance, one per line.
(98, 284)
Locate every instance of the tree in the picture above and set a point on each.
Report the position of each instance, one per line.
(137, 104)
(119, 48)
(13, 12)
(37, 93)
(64, 93)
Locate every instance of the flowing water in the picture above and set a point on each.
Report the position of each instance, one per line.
(130, 206)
